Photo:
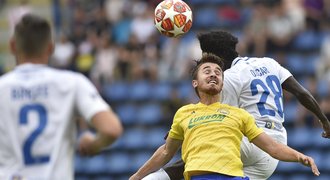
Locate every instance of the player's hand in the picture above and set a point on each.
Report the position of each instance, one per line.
(86, 147)
(326, 129)
(308, 161)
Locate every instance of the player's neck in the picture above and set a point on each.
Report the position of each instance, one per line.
(32, 60)
(209, 99)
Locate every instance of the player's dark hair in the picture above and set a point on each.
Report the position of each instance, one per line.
(206, 58)
(32, 34)
(220, 43)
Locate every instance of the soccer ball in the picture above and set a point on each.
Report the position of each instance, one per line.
(173, 18)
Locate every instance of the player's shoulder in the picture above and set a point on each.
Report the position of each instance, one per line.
(66, 75)
(6, 78)
(267, 60)
(186, 107)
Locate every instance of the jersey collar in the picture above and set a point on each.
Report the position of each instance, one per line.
(29, 66)
(236, 60)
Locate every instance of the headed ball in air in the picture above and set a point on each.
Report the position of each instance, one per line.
(173, 18)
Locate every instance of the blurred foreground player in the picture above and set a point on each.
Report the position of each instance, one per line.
(38, 105)
(210, 133)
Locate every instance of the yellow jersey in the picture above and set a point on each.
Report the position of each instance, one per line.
(212, 135)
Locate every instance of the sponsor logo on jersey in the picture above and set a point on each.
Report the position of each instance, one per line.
(205, 119)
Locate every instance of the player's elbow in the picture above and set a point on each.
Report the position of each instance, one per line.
(108, 125)
(112, 131)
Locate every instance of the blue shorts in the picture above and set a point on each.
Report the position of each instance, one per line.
(217, 177)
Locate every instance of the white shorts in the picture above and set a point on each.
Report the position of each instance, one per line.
(158, 175)
(257, 164)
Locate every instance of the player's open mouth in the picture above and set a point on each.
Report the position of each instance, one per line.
(213, 82)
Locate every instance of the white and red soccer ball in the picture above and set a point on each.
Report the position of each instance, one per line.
(173, 18)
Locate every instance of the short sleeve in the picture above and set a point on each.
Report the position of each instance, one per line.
(231, 87)
(283, 73)
(250, 129)
(176, 131)
(88, 101)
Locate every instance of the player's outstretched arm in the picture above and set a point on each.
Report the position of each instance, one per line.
(162, 156)
(108, 129)
(283, 153)
(308, 101)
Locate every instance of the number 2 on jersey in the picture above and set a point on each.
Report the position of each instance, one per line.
(29, 159)
(270, 81)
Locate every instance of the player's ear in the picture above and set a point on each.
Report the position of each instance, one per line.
(12, 45)
(194, 83)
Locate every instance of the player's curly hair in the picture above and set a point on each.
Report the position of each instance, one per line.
(220, 43)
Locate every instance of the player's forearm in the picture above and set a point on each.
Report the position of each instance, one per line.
(102, 141)
(108, 128)
(310, 103)
(276, 150)
(285, 153)
(158, 160)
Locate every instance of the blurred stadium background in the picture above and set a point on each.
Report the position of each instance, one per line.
(143, 75)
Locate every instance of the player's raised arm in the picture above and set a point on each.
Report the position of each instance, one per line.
(162, 156)
(308, 101)
(283, 153)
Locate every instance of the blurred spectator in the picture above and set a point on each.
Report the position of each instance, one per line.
(280, 29)
(176, 58)
(123, 68)
(99, 23)
(106, 58)
(325, 105)
(135, 55)
(17, 12)
(63, 54)
(314, 12)
(295, 10)
(143, 24)
(323, 65)
(114, 10)
(304, 117)
(129, 58)
(121, 30)
(78, 26)
(254, 38)
(86, 52)
(149, 62)
(272, 27)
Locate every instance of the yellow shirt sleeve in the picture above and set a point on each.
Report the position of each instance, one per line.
(176, 131)
(250, 129)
